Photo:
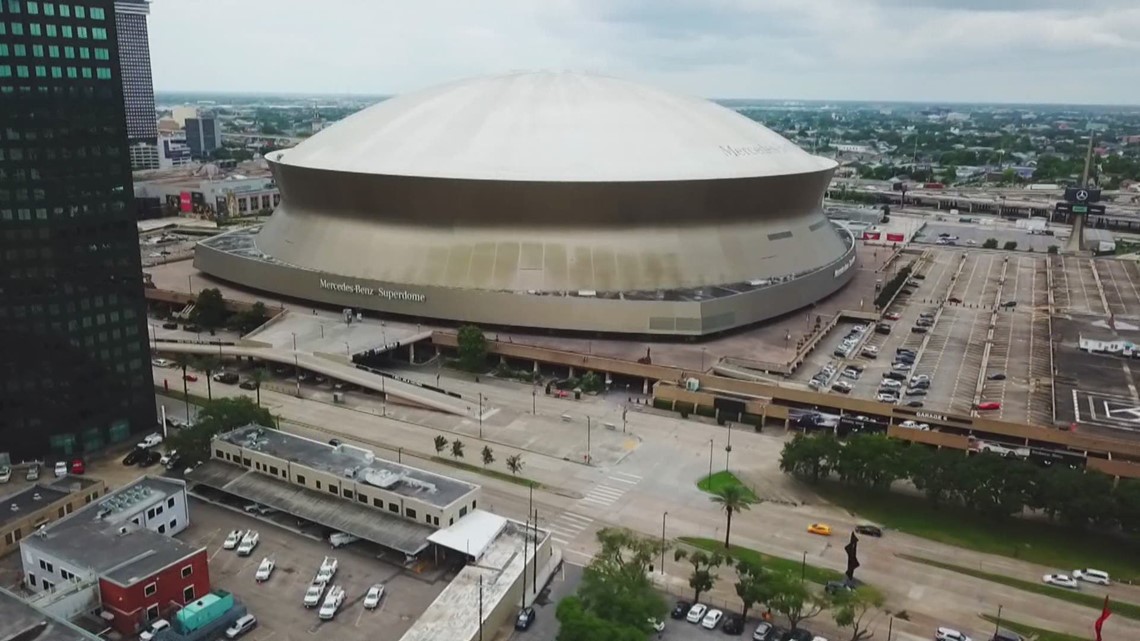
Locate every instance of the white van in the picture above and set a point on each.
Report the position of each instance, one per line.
(1090, 575)
(338, 539)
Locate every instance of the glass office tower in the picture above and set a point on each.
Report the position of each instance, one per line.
(74, 370)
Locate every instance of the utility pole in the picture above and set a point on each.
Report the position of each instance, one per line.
(587, 439)
(710, 457)
(997, 623)
(534, 579)
(480, 607)
(296, 365)
(527, 527)
(728, 448)
(480, 415)
(663, 515)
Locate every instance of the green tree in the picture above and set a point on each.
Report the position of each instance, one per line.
(515, 463)
(941, 473)
(851, 607)
(1010, 245)
(752, 585)
(731, 498)
(215, 417)
(259, 376)
(1053, 249)
(488, 455)
(576, 623)
(792, 598)
(209, 364)
(209, 309)
(1127, 497)
(996, 486)
(991, 243)
(472, 347)
(457, 449)
(252, 318)
(871, 460)
(440, 443)
(703, 576)
(810, 457)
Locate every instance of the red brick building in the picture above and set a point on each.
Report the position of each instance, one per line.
(135, 600)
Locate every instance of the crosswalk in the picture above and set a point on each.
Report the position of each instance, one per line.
(607, 493)
(567, 526)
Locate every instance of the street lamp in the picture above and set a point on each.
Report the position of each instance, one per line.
(728, 448)
(480, 415)
(154, 336)
(533, 399)
(663, 515)
(703, 349)
(296, 365)
(710, 457)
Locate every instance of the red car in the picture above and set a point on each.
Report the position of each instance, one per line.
(989, 405)
(78, 466)
(193, 378)
(892, 316)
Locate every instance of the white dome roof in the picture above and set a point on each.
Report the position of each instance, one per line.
(563, 127)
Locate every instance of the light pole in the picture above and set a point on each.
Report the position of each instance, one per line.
(728, 448)
(663, 515)
(533, 400)
(189, 284)
(997, 624)
(154, 337)
(587, 440)
(347, 350)
(480, 415)
(703, 349)
(383, 396)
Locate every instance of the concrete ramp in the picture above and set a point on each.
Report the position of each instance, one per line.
(394, 388)
(1076, 242)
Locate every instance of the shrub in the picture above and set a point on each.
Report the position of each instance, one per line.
(991, 243)
(1010, 245)
(1053, 249)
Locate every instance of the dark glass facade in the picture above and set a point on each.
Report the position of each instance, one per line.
(74, 370)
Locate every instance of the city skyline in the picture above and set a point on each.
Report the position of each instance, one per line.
(1007, 51)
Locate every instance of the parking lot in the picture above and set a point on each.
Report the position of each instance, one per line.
(277, 602)
(1075, 289)
(1119, 280)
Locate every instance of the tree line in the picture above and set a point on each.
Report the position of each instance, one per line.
(986, 483)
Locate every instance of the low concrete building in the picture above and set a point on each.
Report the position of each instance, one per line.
(21, 620)
(25, 511)
(116, 553)
(342, 487)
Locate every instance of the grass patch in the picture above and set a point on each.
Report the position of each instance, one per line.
(1126, 610)
(1029, 631)
(177, 395)
(1033, 541)
(713, 484)
(495, 474)
(812, 573)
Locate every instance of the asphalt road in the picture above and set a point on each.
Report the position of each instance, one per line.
(562, 585)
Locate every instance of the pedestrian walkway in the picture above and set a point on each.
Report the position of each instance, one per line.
(610, 492)
(568, 526)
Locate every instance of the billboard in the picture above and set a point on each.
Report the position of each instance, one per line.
(872, 235)
(896, 238)
(184, 202)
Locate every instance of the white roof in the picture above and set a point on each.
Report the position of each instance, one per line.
(472, 534)
(565, 127)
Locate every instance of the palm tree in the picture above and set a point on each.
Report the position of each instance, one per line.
(732, 498)
(259, 376)
(457, 449)
(184, 361)
(209, 364)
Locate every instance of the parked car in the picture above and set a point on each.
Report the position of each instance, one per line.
(1090, 575)
(914, 403)
(918, 329)
(153, 628)
(149, 458)
(890, 384)
(170, 325)
(151, 440)
(883, 328)
(229, 378)
(313, 594)
(955, 300)
(33, 472)
(373, 596)
(248, 542)
(340, 539)
(919, 384)
(241, 626)
(799, 634)
(232, 539)
(869, 529)
(884, 397)
(5, 473)
(132, 457)
(892, 316)
(996, 376)
(265, 570)
(524, 619)
(915, 391)
(950, 634)
(680, 609)
(1061, 580)
(327, 570)
(843, 387)
(915, 425)
(712, 619)
(894, 376)
(248, 383)
(764, 632)
(989, 405)
(161, 362)
(60, 469)
(901, 366)
(193, 378)
(733, 624)
(333, 601)
(870, 351)
(696, 613)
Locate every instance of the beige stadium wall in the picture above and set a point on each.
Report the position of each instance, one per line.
(569, 313)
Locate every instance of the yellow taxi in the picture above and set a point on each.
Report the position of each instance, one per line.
(821, 529)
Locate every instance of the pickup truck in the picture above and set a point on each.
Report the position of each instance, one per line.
(327, 570)
(333, 599)
(1005, 451)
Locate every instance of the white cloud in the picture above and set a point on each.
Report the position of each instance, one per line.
(974, 50)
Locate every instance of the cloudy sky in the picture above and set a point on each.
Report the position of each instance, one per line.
(936, 50)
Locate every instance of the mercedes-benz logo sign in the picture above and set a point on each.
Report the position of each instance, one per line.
(1082, 195)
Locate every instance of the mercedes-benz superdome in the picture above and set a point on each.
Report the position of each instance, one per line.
(558, 201)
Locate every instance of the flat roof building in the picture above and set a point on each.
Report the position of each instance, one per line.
(343, 487)
(20, 620)
(24, 511)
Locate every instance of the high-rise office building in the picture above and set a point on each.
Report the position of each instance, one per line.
(74, 375)
(203, 135)
(138, 84)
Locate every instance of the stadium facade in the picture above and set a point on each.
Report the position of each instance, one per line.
(557, 201)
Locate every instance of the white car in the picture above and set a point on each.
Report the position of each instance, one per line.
(918, 378)
(165, 460)
(901, 367)
(890, 383)
(241, 626)
(1061, 580)
(1092, 576)
(313, 594)
(658, 626)
(372, 598)
(886, 398)
(153, 629)
(696, 613)
(841, 386)
(870, 350)
(912, 425)
(333, 599)
(5, 473)
(60, 469)
(950, 634)
(248, 542)
(712, 619)
(162, 362)
(1002, 450)
(971, 242)
(265, 570)
(327, 571)
(232, 539)
(152, 439)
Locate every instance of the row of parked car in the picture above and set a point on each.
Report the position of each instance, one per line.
(711, 618)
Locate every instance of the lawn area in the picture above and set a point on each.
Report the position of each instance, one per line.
(713, 484)
(1034, 541)
(1029, 631)
(1126, 610)
(495, 474)
(811, 573)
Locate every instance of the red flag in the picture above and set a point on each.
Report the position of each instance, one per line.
(1104, 614)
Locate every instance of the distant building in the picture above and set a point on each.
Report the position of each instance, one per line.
(22, 513)
(138, 84)
(22, 620)
(173, 151)
(203, 135)
(853, 149)
(180, 114)
(211, 193)
(117, 554)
